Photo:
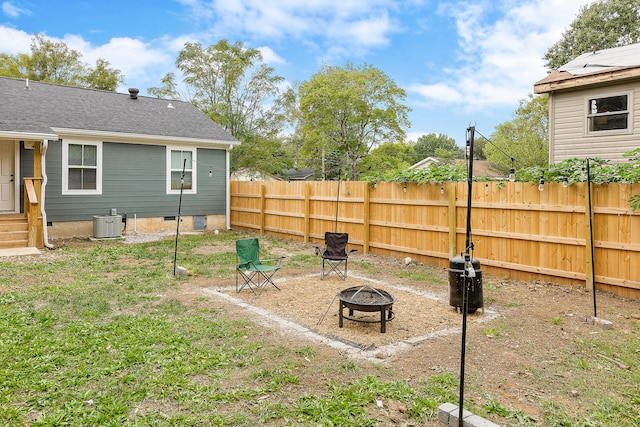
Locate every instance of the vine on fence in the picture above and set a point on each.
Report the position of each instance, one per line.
(567, 172)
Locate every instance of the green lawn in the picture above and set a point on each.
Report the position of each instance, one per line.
(89, 337)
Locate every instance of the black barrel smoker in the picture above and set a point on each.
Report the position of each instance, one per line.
(456, 285)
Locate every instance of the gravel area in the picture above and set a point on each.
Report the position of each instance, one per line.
(314, 304)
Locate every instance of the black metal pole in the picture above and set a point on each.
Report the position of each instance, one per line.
(470, 141)
(467, 278)
(593, 261)
(175, 252)
(337, 200)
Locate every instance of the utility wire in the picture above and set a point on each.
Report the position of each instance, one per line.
(496, 147)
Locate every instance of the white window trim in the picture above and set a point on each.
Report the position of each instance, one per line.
(630, 104)
(65, 168)
(194, 183)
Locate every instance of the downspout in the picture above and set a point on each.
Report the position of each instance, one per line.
(228, 188)
(43, 212)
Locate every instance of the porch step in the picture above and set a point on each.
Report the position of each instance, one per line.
(14, 231)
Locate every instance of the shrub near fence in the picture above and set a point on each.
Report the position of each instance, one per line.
(517, 230)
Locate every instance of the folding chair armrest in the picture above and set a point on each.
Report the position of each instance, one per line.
(246, 265)
(276, 261)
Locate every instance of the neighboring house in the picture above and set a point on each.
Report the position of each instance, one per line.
(246, 174)
(424, 163)
(69, 154)
(304, 174)
(594, 105)
(481, 168)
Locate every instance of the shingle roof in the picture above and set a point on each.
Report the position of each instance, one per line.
(604, 60)
(594, 68)
(40, 107)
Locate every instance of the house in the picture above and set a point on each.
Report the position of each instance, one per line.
(481, 168)
(246, 174)
(424, 163)
(594, 105)
(71, 157)
(304, 174)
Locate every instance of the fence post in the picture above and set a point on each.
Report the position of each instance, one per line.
(307, 208)
(263, 191)
(453, 225)
(366, 219)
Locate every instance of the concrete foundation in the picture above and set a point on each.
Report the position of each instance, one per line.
(604, 324)
(84, 229)
(448, 416)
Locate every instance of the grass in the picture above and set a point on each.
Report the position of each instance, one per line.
(492, 332)
(92, 338)
(556, 320)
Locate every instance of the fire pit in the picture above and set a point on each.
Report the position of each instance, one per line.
(367, 299)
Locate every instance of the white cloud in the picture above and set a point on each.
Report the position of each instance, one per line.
(13, 11)
(499, 60)
(413, 136)
(138, 61)
(352, 26)
(440, 92)
(14, 41)
(270, 57)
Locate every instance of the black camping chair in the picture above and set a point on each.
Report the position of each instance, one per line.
(335, 255)
(251, 272)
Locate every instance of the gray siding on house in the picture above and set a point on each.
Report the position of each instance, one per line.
(134, 182)
(568, 135)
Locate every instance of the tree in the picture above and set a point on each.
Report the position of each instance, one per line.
(54, 62)
(428, 146)
(346, 111)
(168, 90)
(102, 77)
(603, 24)
(386, 158)
(57, 63)
(266, 155)
(525, 138)
(15, 66)
(232, 85)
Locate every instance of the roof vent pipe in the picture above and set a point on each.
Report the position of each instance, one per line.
(133, 93)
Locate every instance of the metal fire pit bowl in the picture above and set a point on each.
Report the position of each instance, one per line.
(367, 299)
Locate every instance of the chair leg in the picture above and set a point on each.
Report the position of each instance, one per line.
(334, 266)
(266, 280)
(247, 281)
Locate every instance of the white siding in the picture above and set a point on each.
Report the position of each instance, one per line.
(569, 136)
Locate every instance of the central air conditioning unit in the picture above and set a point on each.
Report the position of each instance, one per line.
(108, 226)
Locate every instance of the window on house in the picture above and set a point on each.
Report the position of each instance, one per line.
(179, 159)
(82, 167)
(608, 113)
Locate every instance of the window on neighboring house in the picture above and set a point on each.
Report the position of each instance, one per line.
(178, 159)
(608, 113)
(82, 167)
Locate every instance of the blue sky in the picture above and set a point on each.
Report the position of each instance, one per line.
(461, 62)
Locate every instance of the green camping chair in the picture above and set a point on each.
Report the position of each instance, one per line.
(251, 272)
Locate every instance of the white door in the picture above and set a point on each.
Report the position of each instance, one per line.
(7, 177)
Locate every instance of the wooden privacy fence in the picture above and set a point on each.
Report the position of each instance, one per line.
(517, 230)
